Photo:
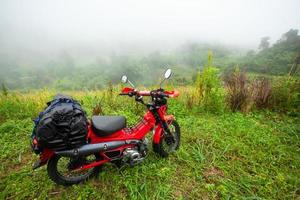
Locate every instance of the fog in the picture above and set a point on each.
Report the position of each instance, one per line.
(140, 26)
(69, 44)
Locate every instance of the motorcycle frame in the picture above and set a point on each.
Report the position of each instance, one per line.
(152, 120)
(139, 131)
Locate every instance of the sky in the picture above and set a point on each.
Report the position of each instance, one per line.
(133, 25)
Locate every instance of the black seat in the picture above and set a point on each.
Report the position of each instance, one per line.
(106, 125)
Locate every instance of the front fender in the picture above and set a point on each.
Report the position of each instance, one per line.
(158, 133)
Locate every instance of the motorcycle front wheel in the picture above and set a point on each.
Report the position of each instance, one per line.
(164, 148)
(62, 170)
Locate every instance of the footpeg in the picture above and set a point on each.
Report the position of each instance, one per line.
(37, 164)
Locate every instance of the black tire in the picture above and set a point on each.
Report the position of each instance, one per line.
(161, 149)
(60, 179)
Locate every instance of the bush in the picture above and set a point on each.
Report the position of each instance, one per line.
(4, 89)
(285, 96)
(261, 88)
(239, 95)
(209, 94)
(281, 94)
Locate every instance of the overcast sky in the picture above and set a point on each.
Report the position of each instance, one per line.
(52, 24)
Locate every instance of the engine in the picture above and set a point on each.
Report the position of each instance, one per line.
(136, 155)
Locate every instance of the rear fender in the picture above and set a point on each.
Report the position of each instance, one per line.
(44, 158)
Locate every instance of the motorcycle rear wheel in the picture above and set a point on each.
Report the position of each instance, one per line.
(60, 169)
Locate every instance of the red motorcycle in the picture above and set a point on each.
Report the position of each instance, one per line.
(109, 140)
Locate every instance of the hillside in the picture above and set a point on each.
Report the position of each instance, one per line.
(227, 155)
(281, 58)
(67, 71)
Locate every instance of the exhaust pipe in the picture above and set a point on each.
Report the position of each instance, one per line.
(94, 148)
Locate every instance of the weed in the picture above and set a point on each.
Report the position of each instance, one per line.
(224, 155)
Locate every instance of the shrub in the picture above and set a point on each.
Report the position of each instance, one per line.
(209, 94)
(285, 96)
(261, 91)
(281, 94)
(4, 89)
(190, 100)
(97, 108)
(239, 95)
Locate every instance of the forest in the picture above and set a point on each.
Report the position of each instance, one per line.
(64, 72)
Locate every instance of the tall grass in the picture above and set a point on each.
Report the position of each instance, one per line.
(239, 96)
(222, 156)
(281, 94)
(208, 93)
(261, 87)
(285, 96)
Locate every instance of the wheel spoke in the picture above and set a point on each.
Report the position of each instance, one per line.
(63, 167)
(171, 147)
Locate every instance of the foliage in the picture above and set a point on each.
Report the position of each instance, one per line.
(278, 59)
(261, 88)
(223, 156)
(209, 91)
(275, 93)
(238, 91)
(4, 89)
(68, 72)
(264, 43)
(286, 94)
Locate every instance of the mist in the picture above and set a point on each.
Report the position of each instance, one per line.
(36, 34)
(149, 25)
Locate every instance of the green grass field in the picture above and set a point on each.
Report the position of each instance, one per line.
(222, 156)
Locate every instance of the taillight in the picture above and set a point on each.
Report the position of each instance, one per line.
(34, 146)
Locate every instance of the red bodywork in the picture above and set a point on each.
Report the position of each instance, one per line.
(137, 132)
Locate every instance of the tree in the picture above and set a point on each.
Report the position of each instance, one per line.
(294, 69)
(4, 89)
(264, 43)
(250, 53)
(291, 36)
(209, 90)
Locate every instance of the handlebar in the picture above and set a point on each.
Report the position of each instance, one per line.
(153, 93)
(128, 93)
(159, 94)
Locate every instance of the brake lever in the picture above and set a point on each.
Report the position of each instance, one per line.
(130, 94)
(139, 98)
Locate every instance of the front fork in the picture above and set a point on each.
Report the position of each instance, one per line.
(163, 128)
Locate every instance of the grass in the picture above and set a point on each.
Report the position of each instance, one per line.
(223, 156)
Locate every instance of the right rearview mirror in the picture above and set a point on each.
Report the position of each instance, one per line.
(124, 79)
(168, 73)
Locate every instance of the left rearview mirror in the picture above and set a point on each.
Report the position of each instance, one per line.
(124, 79)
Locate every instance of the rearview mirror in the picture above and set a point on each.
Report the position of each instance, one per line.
(124, 79)
(168, 73)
